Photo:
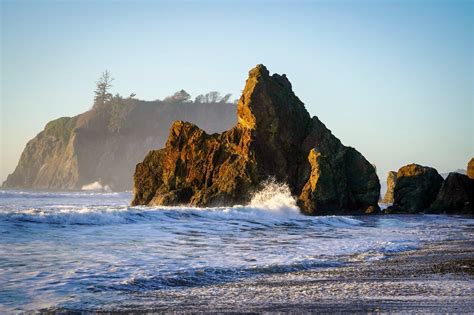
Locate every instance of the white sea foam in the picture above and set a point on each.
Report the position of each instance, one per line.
(272, 205)
(37, 193)
(274, 196)
(74, 215)
(92, 215)
(81, 243)
(96, 186)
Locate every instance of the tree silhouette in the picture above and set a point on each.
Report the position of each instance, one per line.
(199, 99)
(225, 98)
(102, 91)
(213, 97)
(179, 97)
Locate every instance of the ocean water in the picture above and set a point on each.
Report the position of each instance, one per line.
(91, 251)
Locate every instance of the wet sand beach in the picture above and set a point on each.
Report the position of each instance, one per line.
(437, 278)
(81, 252)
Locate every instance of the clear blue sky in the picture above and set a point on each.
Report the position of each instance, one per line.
(394, 79)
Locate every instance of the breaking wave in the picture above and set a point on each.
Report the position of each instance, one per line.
(272, 205)
(93, 247)
(96, 186)
(274, 196)
(106, 216)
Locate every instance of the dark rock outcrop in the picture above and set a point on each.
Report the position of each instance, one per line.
(456, 196)
(459, 170)
(415, 190)
(274, 138)
(391, 181)
(470, 169)
(104, 144)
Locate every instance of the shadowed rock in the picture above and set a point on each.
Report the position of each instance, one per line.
(416, 188)
(456, 195)
(274, 137)
(391, 181)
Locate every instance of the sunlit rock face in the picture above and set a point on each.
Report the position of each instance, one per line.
(416, 188)
(391, 181)
(470, 169)
(274, 137)
(105, 143)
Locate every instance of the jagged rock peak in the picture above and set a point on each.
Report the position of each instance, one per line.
(274, 137)
(259, 70)
(269, 104)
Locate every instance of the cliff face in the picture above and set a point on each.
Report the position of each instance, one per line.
(274, 138)
(38, 165)
(105, 143)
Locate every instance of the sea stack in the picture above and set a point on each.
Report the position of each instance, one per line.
(416, 188)
(391, 181)
(456, 195)
(274, 138)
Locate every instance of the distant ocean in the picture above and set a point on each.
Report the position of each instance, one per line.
(91, 251)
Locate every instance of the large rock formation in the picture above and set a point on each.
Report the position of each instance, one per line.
(470, 169)
(104, 144)
(391, 181)
(274, 138)
(416, 188)
(456, 195)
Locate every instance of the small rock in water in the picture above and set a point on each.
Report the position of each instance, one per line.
(455, 196)
(416, 188)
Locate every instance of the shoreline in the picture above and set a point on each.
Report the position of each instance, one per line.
(438, 277)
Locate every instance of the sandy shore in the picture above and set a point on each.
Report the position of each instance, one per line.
(439, 277)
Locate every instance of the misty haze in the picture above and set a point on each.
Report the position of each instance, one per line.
(236, 157)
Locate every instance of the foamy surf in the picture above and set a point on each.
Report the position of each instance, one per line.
(70, 215)
(97, 186)
(272, 205)
(92, 249)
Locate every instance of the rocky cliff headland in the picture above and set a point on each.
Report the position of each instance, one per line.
(274, 138)
(102, 146)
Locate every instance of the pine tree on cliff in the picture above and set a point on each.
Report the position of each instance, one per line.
(179, 97)
(102, 91)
